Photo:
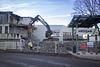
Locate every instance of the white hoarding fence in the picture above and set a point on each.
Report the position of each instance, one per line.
(91, 31)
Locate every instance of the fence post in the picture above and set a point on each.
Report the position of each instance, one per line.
(55, 47)
(20, 45)
(4, 46)
(96, 39)
(37, 46)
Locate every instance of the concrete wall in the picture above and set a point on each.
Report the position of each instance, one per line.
(25, 20)
(39, 33)
(10, 45)
(66, 29)
(10, 41)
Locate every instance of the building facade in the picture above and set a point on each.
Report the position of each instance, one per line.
(13, 29)
(59, 31)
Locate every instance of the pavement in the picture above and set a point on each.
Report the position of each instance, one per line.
(86, 55)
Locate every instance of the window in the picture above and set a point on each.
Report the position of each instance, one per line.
(71, 34)
(14, 35)
(63, 33)
(11, 19)
(11, 35)
(6, 29)
(17, 35)
(0, 29)
(66, 33)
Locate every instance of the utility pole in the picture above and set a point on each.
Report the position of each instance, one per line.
(96, 45)
(76, 39)
(73, 45)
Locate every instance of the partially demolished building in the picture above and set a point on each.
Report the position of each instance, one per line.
(13, 29)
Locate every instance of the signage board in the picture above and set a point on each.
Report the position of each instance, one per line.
(83, 46)
(89, 44)
(91, 31)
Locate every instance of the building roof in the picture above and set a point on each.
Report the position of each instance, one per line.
(6, 12)
(84, 20)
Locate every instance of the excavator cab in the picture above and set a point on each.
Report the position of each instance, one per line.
(48, 33)
(49, 37)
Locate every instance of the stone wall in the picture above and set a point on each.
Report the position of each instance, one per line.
(58, 46)
(53, 46)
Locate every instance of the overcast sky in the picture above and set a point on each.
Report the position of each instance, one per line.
(55, 12)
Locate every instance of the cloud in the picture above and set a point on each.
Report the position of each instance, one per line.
(58, 16)
(43, 3)
(55, 22)
(14, 6)
(35, 7)
(26, 12)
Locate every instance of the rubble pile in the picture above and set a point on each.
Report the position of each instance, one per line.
(53, 46)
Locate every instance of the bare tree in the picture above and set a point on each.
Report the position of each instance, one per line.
(84, 7)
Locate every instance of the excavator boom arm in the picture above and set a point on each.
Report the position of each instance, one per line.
(39, 18)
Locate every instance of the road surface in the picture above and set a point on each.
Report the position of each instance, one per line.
(26, 60)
